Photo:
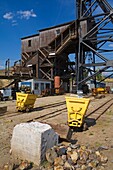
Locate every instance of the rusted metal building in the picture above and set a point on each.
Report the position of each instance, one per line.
(38, 53)
(47, 52)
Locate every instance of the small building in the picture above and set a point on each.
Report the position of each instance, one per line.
(109, 82)
(91, 85)
(36, 85)
(5, 93)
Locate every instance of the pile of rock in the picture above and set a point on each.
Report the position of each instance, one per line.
(68, 157)
(75, 157)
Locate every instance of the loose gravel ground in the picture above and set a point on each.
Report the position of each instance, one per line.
(98, 134)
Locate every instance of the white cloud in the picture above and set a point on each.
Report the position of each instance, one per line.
(1, 67)
(110, 45)
(8, 16)
(22, 14)
(26, 14)
(14, 17)
(14, 23)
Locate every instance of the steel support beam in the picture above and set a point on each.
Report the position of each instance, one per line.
(91, 42)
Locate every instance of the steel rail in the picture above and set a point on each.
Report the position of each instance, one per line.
(10, 115)
(102, 108)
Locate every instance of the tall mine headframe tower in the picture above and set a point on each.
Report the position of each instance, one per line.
(95, 36)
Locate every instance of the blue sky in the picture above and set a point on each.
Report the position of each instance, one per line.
(20, 18)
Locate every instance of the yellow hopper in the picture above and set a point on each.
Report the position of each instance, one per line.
(77, 108)
(25, 102)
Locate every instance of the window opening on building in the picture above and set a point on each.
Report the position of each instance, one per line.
(29, 43)
(42, 86)
(58, 31)
(36, 86)
(47, 85)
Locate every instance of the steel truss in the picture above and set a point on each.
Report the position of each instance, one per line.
(93, 51)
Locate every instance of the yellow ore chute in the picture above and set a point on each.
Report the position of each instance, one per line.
(25, 102)
(77, 108)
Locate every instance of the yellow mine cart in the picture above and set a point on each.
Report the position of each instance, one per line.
(99, 90)
(25, 102)
(77, 108)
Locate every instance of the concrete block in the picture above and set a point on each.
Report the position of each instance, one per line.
(31, 140)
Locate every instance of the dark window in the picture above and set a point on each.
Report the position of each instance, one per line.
(47, 86)
(42, 86)
(58, 31)
(36, 86)
(29, 43)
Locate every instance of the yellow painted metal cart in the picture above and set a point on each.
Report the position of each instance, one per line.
(25, 102)
(77, 108)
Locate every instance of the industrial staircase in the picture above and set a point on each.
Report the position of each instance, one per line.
(45, 64)
(26, 57)
(56, 46)
(46, 61)
(64, 38)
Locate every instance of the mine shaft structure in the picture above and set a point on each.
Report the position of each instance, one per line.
(93, 51)
(89, 37)
(50, 58)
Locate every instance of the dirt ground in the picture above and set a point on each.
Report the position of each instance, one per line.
(99, 133)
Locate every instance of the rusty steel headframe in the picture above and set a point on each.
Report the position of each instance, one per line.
(93, 52)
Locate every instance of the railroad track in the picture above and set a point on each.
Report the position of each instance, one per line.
(53, 105)
(96, 114)
(49, 115)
